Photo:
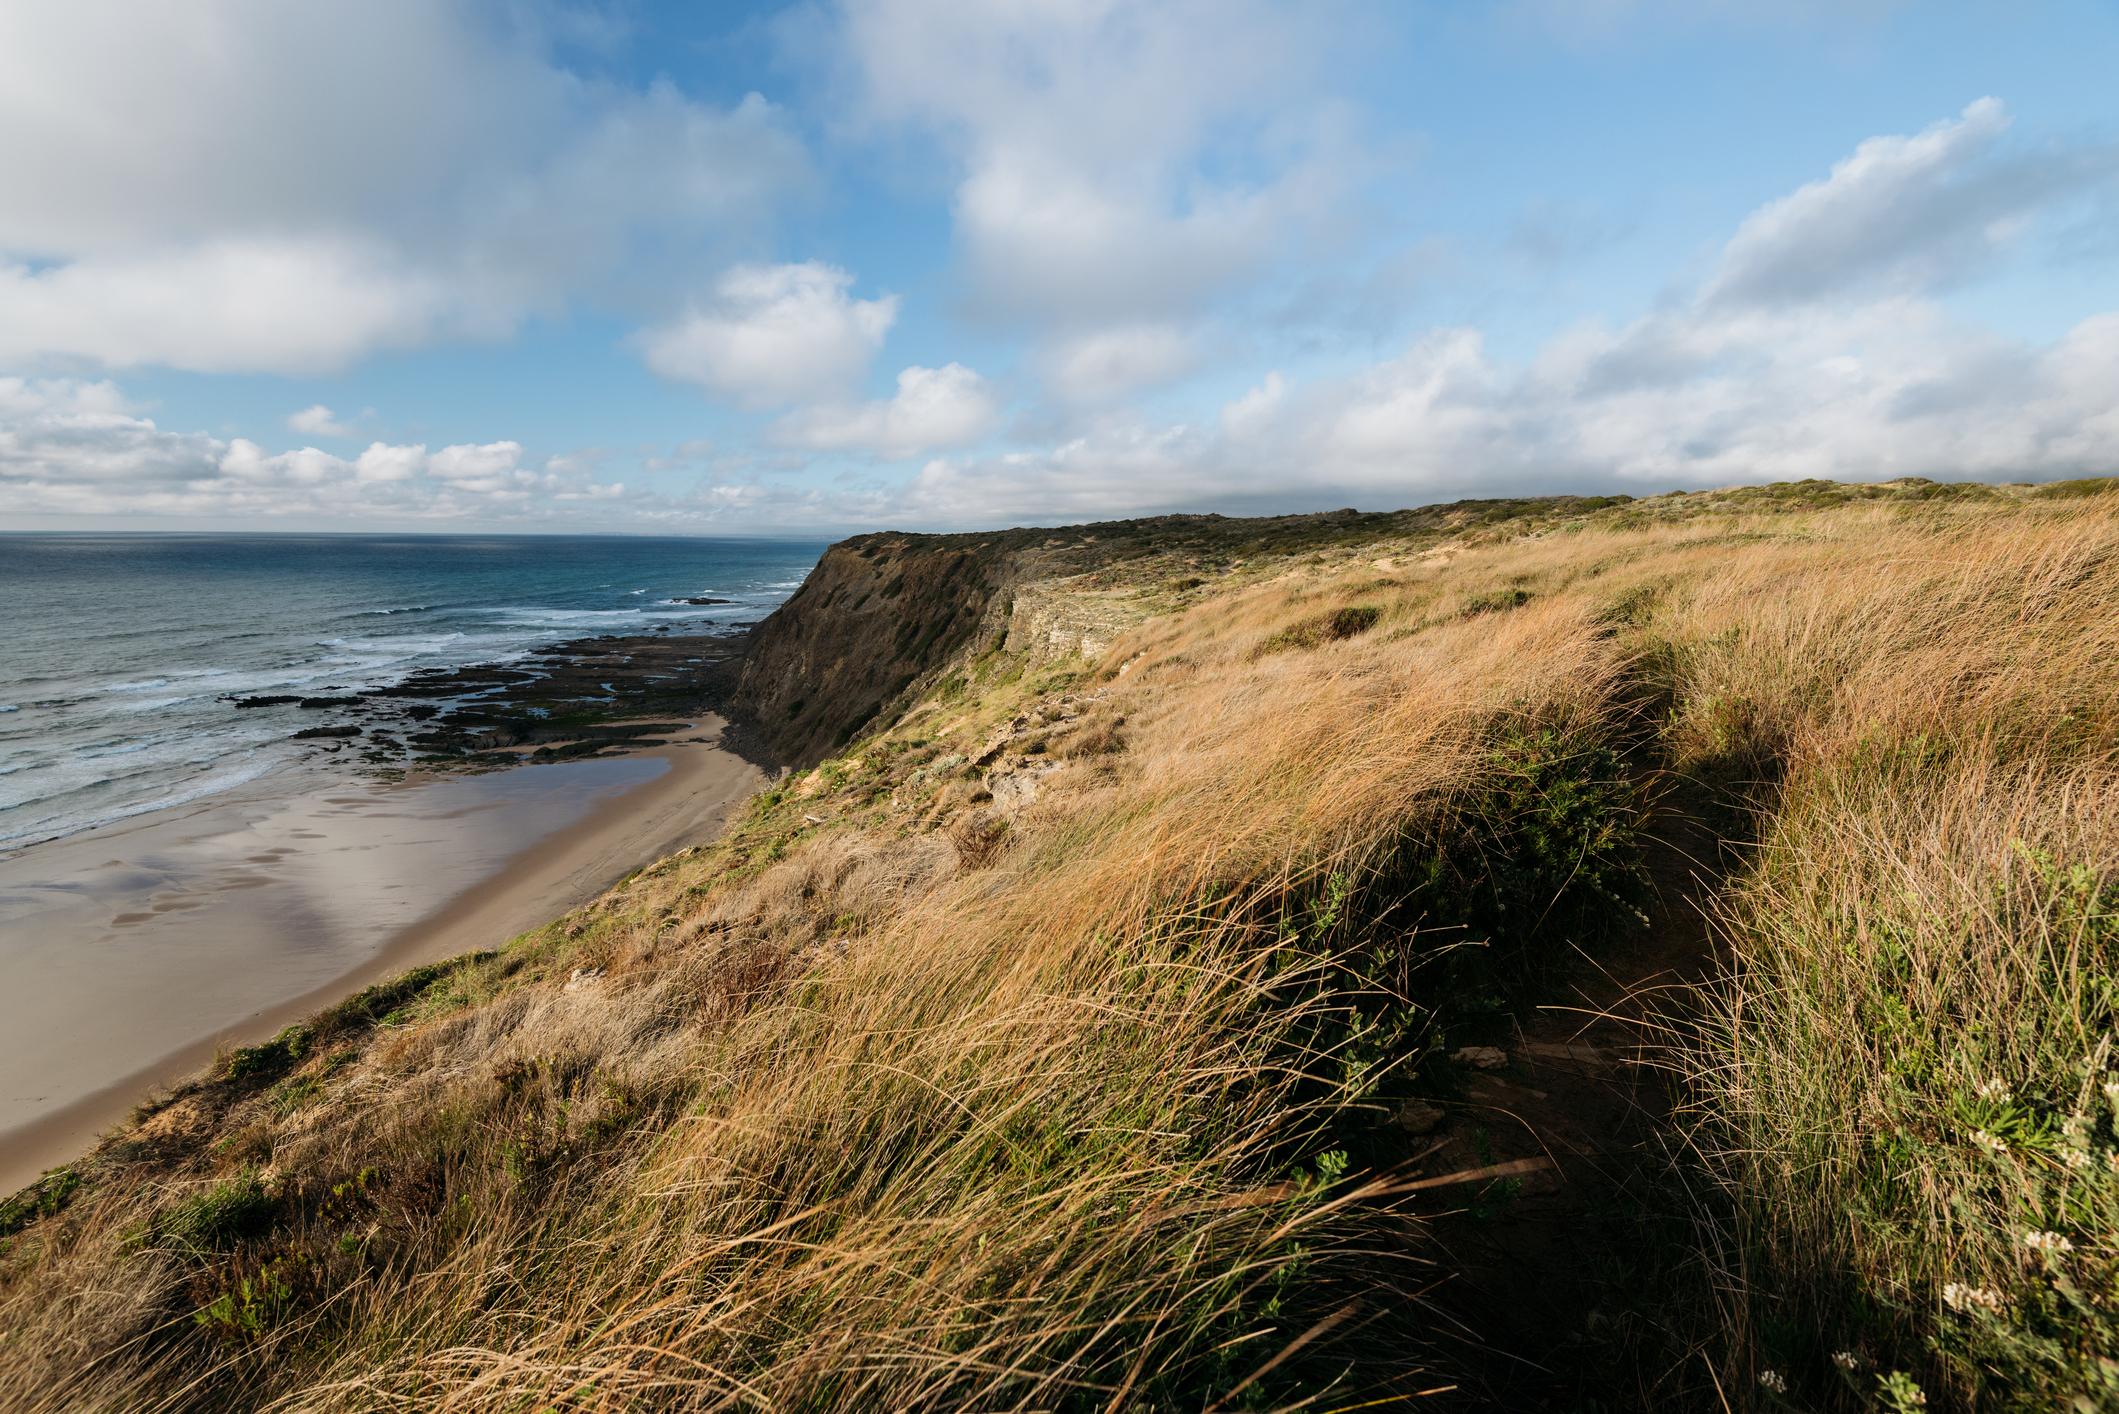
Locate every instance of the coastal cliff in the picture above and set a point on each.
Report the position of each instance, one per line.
(876, 613)
(883, 614)
(1210, 964)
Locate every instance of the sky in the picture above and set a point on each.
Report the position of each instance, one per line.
(756, 268)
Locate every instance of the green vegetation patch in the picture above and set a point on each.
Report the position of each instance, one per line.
(41, 1199)
(1320, 629)
(216, 1218)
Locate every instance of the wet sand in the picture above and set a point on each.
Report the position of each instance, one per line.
(132, 954)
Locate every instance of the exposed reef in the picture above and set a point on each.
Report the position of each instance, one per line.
(584, 697)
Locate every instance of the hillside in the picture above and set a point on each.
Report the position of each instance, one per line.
(1538, 954)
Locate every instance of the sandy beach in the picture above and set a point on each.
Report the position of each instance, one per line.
(134, 953)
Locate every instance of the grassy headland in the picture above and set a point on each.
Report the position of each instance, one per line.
(1111, 1018)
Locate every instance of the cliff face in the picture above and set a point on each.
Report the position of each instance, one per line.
(881, 613)
(877, 613)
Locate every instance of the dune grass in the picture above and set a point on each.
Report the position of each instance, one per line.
(837, 1113)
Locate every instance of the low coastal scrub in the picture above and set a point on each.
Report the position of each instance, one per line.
(1107, 1033)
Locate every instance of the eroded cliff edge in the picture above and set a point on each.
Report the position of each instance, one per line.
(883, 613)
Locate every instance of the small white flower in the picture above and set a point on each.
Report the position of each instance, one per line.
(2111, 1090)
(1773, 1380)
(2076, 1158)
(1992, 1143)
(1961, 1296)
(2048, 1242)
(1846, 1359)
(1997, 1089)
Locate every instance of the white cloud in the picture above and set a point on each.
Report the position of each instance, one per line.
(1904, 214)
(1757, 377)
(482, 468)
(1103, 364)
(1084, 135)
(1255, 410)
(85, 433)
(296, 307)
(76, 447)
(1119, 470)
(934, 408)
(773, 334)
(1890, 389)
(316, 420)
(383, 462)
(295, 187)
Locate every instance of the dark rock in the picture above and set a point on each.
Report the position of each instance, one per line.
(314, 733)
(270, 700)
(313, 703)
(702, 599)
(1418, 1117)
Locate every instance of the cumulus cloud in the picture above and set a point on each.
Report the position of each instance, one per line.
(1082, 207)
(79, 447)
(316, 420)
(1892, 389)
(298, 186)
(384, 462)
(1753, 378)
(771, 335)
(85, 433)
(933, 408)
(1903, 214)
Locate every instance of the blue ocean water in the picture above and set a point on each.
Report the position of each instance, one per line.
(116, 651)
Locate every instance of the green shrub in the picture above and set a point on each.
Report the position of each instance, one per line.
(250, 1305)
(1319, 629)
(220, 1216)
(268, 1060)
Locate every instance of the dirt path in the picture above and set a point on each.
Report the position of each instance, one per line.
(1562, 1269)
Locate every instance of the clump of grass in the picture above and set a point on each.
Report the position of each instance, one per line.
(1332, 626)
(1494, 601)
(219, 1216)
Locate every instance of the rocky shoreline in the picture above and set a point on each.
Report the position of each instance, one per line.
(579, 698)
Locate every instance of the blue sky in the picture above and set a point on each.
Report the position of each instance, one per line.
(733, 269)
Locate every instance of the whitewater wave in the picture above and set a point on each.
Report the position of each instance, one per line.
(53, 827)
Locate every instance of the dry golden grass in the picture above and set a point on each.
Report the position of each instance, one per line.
(858, 1115)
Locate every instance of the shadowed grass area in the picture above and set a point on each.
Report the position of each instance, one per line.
(1046, 1047)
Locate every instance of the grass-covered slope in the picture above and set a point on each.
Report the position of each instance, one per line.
(1075, 1037)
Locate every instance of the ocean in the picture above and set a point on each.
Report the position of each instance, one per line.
(118, 652)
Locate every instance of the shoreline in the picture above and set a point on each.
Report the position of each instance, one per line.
(628, 825)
